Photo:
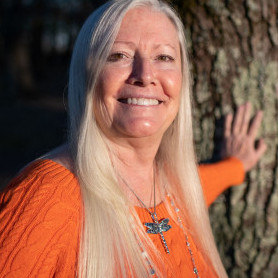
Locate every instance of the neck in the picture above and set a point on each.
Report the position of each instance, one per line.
(135, 165)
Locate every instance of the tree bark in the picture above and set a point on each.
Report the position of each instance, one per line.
(233, 46)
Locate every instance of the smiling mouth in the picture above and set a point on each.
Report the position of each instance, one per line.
(140, 101)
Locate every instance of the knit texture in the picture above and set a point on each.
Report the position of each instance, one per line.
(40, 221)
(217, 177)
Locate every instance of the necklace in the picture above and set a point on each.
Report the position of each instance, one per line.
(157, 226)
(160, 226)
(176, 209)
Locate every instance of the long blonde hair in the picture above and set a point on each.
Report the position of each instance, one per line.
(109, 247)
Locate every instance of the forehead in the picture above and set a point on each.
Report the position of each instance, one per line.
(144, 22)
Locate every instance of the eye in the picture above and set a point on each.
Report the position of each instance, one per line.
(114, 57)
(165, 58)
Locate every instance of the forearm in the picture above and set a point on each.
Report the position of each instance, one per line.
(217, 177)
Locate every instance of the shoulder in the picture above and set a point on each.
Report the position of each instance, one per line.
(42, 187)
(42, 179)
(40, 214)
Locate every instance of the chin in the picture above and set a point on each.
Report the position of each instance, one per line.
(142, 130)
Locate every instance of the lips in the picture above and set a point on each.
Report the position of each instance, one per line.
(140, 101)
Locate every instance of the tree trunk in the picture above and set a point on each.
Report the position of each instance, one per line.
(233, 46)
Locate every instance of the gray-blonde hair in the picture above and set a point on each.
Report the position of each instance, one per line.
(108, 246)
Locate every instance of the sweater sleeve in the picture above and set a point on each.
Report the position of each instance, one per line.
(39, 223)
(217, 177)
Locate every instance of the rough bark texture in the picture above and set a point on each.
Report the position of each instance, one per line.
(234, 54)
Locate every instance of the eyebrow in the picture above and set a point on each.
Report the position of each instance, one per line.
(167, 44)
(155, 47)
(124, 42)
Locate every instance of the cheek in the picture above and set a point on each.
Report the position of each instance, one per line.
(172, 84)
(108, 86)
(105, 85)
(105, 89)
(110, 82)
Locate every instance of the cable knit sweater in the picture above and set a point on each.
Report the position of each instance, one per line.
(40, 214)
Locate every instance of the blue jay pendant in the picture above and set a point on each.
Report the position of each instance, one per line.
(159, 227)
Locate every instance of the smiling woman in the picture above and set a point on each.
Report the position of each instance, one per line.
(122, 198)
(140, 83)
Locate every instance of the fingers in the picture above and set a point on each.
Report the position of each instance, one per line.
(242, 119)
(238, 119)
(261, 148)
(246, 118)
(240, 137)
(255, 125)
(228, 125)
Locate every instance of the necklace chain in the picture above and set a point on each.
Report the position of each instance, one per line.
(157, 226)
(176, 209)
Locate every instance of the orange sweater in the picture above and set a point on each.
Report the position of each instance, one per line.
(40, 214)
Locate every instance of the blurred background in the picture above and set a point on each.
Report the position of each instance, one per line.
(233, 48)
(36, 41)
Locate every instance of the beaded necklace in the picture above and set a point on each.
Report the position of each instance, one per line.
(160, 226)
(177, 210)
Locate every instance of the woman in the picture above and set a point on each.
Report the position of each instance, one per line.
(129, 162)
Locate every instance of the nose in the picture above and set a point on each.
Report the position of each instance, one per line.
(142, 72)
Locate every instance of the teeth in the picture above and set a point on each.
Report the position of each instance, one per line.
(142, 101)
(154, 101)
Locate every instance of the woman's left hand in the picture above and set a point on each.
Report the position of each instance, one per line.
(240, 137)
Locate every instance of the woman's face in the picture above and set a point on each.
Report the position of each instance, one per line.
(141, 81)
